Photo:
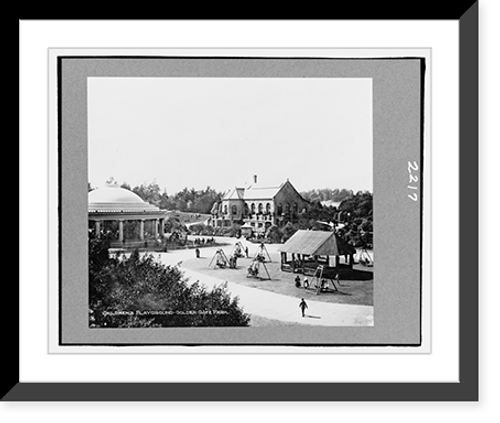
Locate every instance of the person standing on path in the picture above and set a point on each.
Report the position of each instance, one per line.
(303, 306)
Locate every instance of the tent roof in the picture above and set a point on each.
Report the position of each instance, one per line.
(317, 243)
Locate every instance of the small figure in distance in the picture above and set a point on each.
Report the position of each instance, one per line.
(297, 281)
(306, 283)
(303, 306)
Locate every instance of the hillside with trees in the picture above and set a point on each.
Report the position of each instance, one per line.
(353, 218)
(327, 194)
(188, 200)
(354, 211)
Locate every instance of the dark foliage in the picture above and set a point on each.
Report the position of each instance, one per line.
(139, 291)
(357, 213)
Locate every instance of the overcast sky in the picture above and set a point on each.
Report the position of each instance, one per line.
(218, 132)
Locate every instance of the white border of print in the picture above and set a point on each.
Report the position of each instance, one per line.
(441, 365)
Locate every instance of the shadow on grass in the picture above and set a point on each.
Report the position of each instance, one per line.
(330, 291)
(310, 316)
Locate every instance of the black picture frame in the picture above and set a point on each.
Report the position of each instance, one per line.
(464, 390)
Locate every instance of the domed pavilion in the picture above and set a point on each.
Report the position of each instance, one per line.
(124, 216)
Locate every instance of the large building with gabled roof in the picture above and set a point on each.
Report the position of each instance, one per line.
(259, 206)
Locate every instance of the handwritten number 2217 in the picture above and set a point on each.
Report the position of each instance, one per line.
(412, 166)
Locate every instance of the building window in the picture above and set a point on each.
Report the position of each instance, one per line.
(225, 209)
(234, 209)
(260, 208)
(280, 209)
(268, 208)
(295, 208)
(287, 210)
(253, 208)
(246, 209)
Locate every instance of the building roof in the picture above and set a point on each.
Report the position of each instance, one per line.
(261, 192)
(113, 199)
(235, 194)
(317, 243)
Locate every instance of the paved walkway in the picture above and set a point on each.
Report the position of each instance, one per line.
(276, 306)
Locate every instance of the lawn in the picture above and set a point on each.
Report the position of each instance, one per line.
(358, 289)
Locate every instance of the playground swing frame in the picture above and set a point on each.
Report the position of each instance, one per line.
(242, 249)
(262, 252)
(318, 278)
(256, 265)
(219, 253)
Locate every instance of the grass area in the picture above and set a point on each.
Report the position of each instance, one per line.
(357, 288)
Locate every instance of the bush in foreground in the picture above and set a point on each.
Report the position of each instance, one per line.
(139, 291)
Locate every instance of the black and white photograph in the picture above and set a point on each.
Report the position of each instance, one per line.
(230, 202)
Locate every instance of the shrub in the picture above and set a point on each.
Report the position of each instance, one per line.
(288, 230)
(142, 292)
(274, 234)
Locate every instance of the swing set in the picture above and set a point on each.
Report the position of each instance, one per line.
(253, 271)
(364, 258)
(262, 254)
(320, 282)
(221, 261)
(238, 250)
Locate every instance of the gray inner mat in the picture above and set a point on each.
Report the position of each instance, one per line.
(397, 139)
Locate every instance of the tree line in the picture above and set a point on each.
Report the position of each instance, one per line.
(354, 213)
(188, 200)
(327, 194)
(352, 219)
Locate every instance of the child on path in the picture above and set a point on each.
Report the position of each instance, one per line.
(303, 306)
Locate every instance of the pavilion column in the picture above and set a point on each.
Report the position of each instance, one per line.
(120, 230)
(155, 228)
(141, 230)
(97, 224)
(162, 228)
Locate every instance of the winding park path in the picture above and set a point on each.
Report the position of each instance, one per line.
(271, 305)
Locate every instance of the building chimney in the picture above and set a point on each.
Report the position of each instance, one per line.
(254, 179)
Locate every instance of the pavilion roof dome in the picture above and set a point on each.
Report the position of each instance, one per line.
(117, 199)
(113, 194)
